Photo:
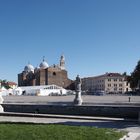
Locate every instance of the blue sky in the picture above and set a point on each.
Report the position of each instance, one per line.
(96, 36)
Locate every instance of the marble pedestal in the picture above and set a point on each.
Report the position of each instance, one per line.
(1, 101)
(78, 99)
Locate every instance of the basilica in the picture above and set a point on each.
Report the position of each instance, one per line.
(45, 75)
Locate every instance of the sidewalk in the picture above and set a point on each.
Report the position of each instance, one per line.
(131, 136)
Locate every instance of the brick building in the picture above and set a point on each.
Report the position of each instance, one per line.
(45, 75)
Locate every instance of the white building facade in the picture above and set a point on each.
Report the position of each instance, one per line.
(47, 90)
(107, 83)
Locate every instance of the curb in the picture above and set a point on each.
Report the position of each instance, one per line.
(65, 116)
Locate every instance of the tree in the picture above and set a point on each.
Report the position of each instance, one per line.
(124, 74)
(4, 83)
(135, 76)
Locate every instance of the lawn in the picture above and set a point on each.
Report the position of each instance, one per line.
(55, 132)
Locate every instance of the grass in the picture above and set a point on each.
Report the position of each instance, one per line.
(56, 132)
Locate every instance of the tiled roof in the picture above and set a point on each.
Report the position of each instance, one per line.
(105, 75)
(11, 83)
(112, 74)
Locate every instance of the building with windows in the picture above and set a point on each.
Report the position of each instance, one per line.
(45, 75)
(108, 83)
(8, 84)
(11, 84)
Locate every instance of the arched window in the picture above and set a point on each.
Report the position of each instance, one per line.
(54, 73)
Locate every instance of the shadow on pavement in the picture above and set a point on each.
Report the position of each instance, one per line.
(105, 124)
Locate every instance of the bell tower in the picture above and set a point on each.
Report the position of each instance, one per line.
(62, 62)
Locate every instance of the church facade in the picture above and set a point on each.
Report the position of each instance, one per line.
(45, 75)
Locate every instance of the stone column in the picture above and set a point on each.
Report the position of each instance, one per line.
(78, 99)
(1, 101)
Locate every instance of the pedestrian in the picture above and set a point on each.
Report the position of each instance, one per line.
(129, 98)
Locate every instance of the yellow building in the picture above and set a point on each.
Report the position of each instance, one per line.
(107, 83)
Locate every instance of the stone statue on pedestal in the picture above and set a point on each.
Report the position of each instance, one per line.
(1, 101)
(78, 99)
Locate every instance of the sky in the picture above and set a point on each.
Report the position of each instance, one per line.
(95, 36)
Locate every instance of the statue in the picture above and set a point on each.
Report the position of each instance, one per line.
(1, 101)
(78, 99)
(78, 83)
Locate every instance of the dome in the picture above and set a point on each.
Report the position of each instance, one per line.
(29, 68)
(43, 65)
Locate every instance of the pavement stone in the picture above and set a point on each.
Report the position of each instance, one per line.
(131, 136)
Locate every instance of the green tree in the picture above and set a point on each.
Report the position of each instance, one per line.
(135, 76)
(4, 83)
(124, 74)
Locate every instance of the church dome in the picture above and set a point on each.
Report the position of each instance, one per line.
(43, 65)
(29, 68)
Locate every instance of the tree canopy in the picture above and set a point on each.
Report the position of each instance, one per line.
(135, 76)
(4, 83)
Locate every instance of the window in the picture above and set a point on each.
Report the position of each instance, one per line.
(109, 79)
(109, 85)
(115, 85)
(126, 89)
(120, 85)
(54, 74)
(115, 80)
(115, 89)
(120, 79)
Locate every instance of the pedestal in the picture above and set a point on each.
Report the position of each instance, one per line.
(1, 109)
(1, 101)
(78, 99)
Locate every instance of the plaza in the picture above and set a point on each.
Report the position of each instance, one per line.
(87, 99)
